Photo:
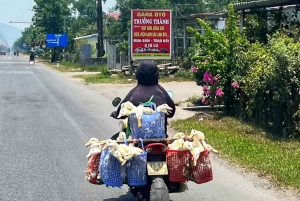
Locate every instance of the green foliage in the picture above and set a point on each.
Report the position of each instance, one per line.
(123, 47)
(212, 49)
(50, 16)
(272, 84)
(186, 74)
(187, 60)
(104, 71)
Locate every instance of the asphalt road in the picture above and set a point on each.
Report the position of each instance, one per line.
(45, 120)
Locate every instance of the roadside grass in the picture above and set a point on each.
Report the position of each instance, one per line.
(249, 147)
(70, 67)
(120, 78)
(100, 78)
(105, 77)
(195, 100)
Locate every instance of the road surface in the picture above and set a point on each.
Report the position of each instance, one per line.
(45, 120)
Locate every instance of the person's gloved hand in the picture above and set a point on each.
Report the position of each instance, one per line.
(114, 114)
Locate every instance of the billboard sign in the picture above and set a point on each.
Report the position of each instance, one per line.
(57, 40)
(151, 34)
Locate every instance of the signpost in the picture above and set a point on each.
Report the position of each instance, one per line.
(57, 40)
(151, 34)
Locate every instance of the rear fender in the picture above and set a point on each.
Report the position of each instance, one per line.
(156, 148)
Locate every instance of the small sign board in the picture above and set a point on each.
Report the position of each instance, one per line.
(57, 40)
(151, 34)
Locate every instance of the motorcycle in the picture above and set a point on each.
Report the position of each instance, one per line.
(32, 58)
(158, 184)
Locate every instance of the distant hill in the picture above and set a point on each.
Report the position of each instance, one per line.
(9, 33)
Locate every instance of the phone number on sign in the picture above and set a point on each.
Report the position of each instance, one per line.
(148, 40)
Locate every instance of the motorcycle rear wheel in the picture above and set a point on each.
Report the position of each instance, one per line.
(159, 190)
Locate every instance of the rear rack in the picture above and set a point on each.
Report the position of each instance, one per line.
(149, 140)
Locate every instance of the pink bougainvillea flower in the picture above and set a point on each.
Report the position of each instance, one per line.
(235, 85)
(204, 88)
(194, 69)
(203, 100)
(219, 92)
(208, 77)
(207, 92)
(217, 79)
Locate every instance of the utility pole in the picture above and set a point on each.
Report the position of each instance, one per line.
(100, 29)
(176, 31)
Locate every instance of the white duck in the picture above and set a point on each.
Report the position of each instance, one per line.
(134, 151)
(128, 105)
(148, 110)
(97, 145)
(198, 148)
(117, 154)
(122, 136)
(124, 113)
(176, 145)
(179, 135)
(115, 146)
(94, 140)
(93, 151)
(165, 108)
(139, 114)
(200, 135)
(187, 145)
(208, 147)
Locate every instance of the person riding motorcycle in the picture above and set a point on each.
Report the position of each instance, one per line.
(147, 76)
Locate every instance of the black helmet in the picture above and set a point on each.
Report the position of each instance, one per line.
(147, 73)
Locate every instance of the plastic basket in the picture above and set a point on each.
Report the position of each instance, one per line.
(178, 165)
(202, 172)
(153, 125)
(92, 169)
(111, 171)
(136, 169)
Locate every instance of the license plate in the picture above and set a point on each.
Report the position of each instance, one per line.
(157, 168)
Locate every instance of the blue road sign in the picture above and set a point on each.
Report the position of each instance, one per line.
(57, 40)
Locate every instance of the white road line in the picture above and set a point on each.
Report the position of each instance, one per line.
(17, 72)
(9, 62)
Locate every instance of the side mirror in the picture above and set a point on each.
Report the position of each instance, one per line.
(171, 94)
(116, 101)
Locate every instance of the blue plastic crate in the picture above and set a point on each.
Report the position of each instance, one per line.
(136, 170)
(111, 171)
(153, 125)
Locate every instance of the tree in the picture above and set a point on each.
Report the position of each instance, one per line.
(50, 16)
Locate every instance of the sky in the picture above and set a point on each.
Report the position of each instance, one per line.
(20, 11)
(16, 11)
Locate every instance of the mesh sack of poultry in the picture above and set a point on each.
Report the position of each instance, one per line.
(178, 165)
(202, 171)
(151, 125)
(136, 169)
(111, 171)
(92, 170)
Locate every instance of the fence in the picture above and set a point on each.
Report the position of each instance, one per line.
(79, 58)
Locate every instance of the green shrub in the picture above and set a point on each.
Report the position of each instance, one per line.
(272, 84)
(219, 53)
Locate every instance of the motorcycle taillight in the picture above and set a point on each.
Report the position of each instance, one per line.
(149, 150)
(164, 149)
